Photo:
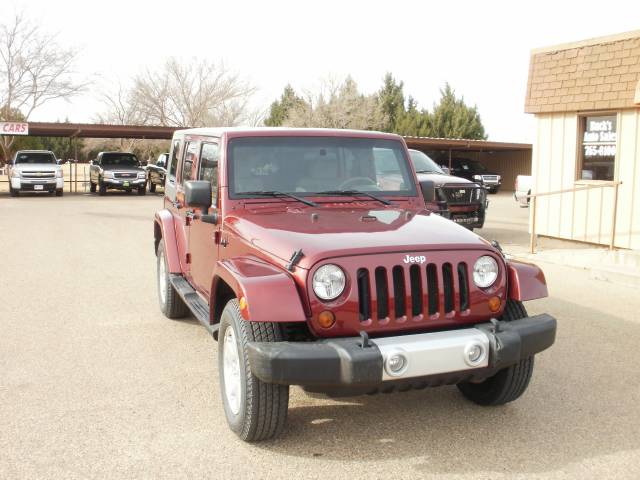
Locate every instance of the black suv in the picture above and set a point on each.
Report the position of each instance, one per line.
(117, 170)
(475, 171)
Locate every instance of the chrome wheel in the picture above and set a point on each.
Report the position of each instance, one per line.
(162, 279)
(231, 371)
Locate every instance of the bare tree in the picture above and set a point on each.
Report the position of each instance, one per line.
(192, 94)
(337, 105)
(121, 108)
(34, 69)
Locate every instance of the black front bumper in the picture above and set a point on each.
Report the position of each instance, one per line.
(325, 365)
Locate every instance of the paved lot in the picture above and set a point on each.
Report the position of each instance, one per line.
(96, 383)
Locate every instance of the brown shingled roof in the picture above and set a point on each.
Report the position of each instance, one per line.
(597, 74)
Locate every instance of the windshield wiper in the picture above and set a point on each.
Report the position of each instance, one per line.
(274, 193)
(428, 171)
(354, 193)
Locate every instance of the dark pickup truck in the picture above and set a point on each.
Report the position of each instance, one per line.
(119, 171)
(458, 199)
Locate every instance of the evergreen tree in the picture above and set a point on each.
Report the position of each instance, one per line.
(452, 118)
(280, 109)
(391, 100)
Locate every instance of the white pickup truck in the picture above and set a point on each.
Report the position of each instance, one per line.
(522, 189)
(35, 171)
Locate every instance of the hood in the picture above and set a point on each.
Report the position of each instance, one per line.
(439, 179)
(42, 167)
(328, 232)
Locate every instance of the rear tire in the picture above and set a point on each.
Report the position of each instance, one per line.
(255, 410)
(509, 383)
(170, 302)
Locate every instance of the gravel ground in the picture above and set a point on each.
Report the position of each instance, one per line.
(96, 383)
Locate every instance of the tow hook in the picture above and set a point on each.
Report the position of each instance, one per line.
(364, 336)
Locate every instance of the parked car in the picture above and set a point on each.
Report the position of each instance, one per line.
(310, 268)
(117, 170)
(522, 189)
(456, 198)
(475, 171)
(35, 171)
(156, 172)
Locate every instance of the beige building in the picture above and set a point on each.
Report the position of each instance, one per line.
(586, 100)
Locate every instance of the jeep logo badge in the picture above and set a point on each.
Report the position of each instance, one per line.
(418, 259)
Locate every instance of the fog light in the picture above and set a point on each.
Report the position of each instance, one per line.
(494, 304)
(326, 319)
(396, 364)
(474, 354)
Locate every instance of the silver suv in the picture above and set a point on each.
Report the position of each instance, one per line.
(35, 171)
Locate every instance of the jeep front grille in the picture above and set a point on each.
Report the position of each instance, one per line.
(417, 291)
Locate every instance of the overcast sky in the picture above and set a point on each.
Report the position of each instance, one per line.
(480, 48)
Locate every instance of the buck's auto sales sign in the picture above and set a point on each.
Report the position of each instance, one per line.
(14, 128)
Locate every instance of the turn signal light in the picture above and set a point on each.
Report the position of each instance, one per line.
(326, 319)
(242, 303)
(494, 304)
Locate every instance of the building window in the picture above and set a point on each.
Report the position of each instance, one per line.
(598, 153)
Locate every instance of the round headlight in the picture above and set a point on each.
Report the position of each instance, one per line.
(485, 271)
(328, 282)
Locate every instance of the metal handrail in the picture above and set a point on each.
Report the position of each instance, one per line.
(533, 196)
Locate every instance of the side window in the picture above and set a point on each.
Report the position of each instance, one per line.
(190, 156)
(209, 155)
(175, 150)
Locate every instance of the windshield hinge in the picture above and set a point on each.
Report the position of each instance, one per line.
(295, 258)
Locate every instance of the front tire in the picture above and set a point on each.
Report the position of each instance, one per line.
(509, 383)
(102, 189)
(170, 302)
(12, 192)
(59, 193)
(142, 190)
(255, 410)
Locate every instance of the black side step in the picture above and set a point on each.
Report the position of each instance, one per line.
(198, 307)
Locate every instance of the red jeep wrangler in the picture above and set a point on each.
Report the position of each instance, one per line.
(315, 263)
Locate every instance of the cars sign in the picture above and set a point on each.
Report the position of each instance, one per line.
(14, 128)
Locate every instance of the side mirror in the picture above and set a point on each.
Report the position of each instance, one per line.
(197, 193)
(428, 190)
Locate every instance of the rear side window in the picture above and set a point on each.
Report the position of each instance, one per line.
(190, 157)
(209, 155)
(175, 151)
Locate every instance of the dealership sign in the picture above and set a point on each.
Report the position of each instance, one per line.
(600, 136)
(14, 128)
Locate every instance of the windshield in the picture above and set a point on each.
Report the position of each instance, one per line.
(423, 163)
(308, 165)
(35, 157)
(120, 159)
(472, 166)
